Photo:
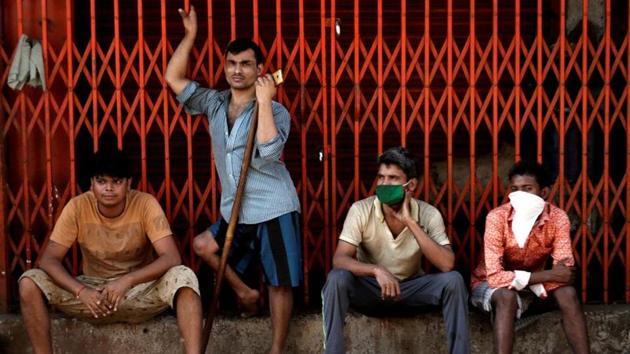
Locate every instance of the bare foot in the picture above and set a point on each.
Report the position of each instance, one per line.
(248, 303)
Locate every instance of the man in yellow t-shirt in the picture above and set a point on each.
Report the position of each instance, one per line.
(131, 264)
(377, 264)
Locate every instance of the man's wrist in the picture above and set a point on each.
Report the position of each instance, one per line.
(375, 270)
(128, 279)
(189, 39)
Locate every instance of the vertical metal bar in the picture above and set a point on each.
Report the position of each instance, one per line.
(403, 72)
(584, 125)
(517, 80)
(232, 20)
(189, 186)
(303, 142)
(606, 175)
(357, 99)
(426, 93)
(472, 72)
(117, 78)
(212, 80)
(379, 75)
(71, 128)
(255, 19)
(47, 132)
(449, 124)
(539, 80)
(165, 114)
(562, 87)
(333, 120)
(627, 176)
(495, 103)
(26, 233)
(4, 235)
(329, 240)
(279, 44)
(142, 93)
(94, 74)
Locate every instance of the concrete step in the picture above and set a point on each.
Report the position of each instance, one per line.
(608, 326)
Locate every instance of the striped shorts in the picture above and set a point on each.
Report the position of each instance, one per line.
(276, 243)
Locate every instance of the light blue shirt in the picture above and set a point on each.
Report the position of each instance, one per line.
(269, 191)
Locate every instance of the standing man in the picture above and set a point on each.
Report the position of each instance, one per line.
(377, 263)
(520, 237)
(119, 231)
(268, 227)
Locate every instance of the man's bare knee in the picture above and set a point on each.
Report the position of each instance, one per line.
(504, 299)
(280, 289)
(204, 244)
(185, 292)
(28, 289)
(566, 297)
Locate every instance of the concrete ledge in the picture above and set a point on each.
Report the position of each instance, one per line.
(609, 331)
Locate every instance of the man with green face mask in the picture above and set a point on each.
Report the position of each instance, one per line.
(377, 264)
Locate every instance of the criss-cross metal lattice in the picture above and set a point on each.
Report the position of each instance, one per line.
(468, 87)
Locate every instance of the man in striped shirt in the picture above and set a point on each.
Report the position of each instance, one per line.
(268, 227)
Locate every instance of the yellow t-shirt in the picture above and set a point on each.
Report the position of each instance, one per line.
(365, 228)
(112, 247)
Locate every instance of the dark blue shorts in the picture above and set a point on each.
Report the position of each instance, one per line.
(276, 243)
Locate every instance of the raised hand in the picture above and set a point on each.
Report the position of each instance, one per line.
(189, 20)
(404, 213)
(265, 88)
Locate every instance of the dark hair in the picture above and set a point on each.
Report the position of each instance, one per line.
(534, 169)
(400, 157)
(110, 162)
(242, 44)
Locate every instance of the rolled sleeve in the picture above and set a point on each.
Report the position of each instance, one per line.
(272, 149)
(195, 98)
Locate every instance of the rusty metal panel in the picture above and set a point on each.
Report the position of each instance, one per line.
(468, 87)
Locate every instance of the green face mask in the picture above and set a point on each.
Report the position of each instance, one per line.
(391, 194)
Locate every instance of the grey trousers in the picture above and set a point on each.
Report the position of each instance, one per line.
(447, 290)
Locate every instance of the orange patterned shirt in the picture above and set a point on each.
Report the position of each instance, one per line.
(502, 255)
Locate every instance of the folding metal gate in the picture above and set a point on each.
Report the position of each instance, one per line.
(468, 86)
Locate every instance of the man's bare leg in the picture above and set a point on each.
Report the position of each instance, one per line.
(280, 306)
(35, 316)
(504, 304)
(188, 307)
(573, 321)
(206, 247)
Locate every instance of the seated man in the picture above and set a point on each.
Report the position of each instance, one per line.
(390, 232)
(520, 237)
(118, 230)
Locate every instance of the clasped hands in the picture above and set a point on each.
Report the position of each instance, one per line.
(103, 301)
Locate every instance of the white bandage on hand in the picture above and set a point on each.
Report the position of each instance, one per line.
(521, 279)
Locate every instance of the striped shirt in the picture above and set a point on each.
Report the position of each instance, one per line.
(269, 191)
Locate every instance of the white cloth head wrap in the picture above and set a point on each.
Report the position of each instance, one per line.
(527, 208)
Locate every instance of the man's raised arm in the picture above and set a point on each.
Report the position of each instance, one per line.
(175, 75)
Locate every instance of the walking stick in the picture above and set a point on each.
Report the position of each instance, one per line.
(236, 207)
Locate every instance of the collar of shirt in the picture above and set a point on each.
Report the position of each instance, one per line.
(542, 219)
(225, 96)
(378, 209)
